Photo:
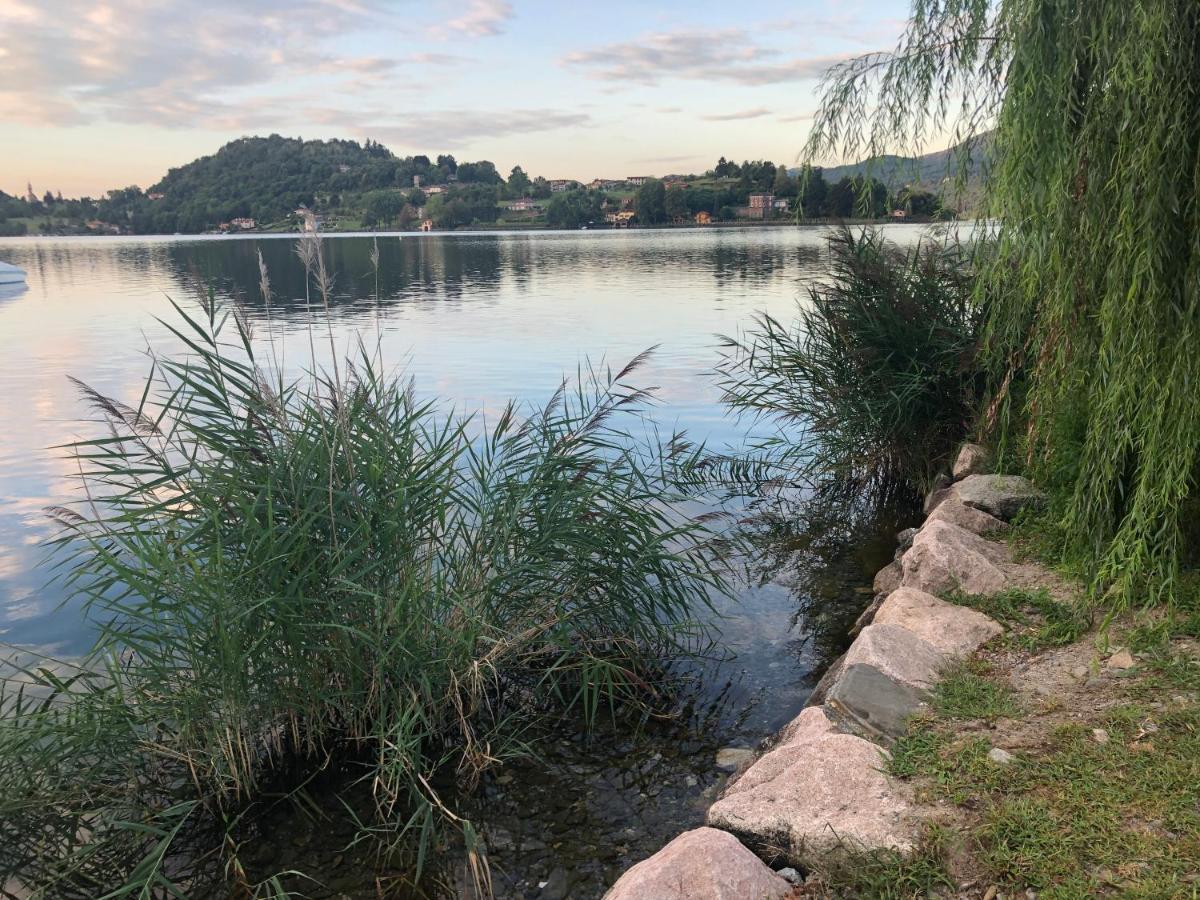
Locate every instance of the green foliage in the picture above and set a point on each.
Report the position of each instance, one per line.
(891, 875)
(1093, 184)
(1035, 619)
(968, 691)
(875, 382)
(570, 209)
(287, 575)
(650, 202)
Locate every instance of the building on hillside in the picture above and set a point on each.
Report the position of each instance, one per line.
(427, 224)
(155, 196)
(761, 201)
(435, 189)
(602, 184)
(620, 219)
(245, 223)
(558, 185)
(781, 204)
(416, 181)
(676, 182)
(638, 180)
(525, 204)
(704, 217)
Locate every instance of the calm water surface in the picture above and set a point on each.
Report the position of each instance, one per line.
(475, 320)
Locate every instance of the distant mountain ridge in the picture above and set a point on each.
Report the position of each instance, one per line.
(928, 171)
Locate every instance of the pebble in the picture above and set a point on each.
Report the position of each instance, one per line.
(1122, 659)
(731, 758)
(790, 875)
(1000, 757)
(1099, 735)
(1080, 672)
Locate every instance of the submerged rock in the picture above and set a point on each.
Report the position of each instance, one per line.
(702, 864)
(945, 556)
(733, 758)
(1002, 496)
(818, 791)
(972, 459)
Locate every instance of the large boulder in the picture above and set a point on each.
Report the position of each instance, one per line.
(944, 557)
(953, 630)
(885, 677)
(1002, 496)
(702, 864)
(818, 791)
(972, 459)
(956, 512)
(888, 578)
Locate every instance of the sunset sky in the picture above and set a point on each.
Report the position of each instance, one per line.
(96, 95)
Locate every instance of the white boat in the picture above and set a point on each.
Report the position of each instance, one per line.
(11, 274)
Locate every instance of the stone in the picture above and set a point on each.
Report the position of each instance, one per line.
(954, 630)
(888, 578)
(733, 758)
(702, 864)
(1002, 496)
(956, 512)
(944, 557)
(885, 677)
(1120, 660)
(904, 540)
(819, 693)
(1099, 735)
(934, 498)
(972, 459)
(1000, 757)
(790, 875)
(817, 792)
(867, 616)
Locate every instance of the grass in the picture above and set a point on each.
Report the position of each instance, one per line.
(290, 575)
(887, 875)
(966, 691)
(1034, 620)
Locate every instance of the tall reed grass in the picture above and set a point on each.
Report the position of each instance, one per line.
(284, 573)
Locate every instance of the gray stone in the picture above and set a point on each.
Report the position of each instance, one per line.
(702, 864)
(1002, 496)
(944, 557)
(1099, 735)
(954, 630)
(1000, 757)
(818, 791)
(867, 616)
(733, 758)
(790, 875)
(817, 697)
(885, 678)
(888, 578)
(972, 459)
(904, 540)
(934, 498)
(956, 512)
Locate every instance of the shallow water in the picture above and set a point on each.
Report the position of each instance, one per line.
(475, 320)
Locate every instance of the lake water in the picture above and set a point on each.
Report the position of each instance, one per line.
(475, 319)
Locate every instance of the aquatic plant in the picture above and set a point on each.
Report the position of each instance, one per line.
(288, 573)
(874, 382)
(1094, 112)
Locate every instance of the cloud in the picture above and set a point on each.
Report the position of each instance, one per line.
(802, 117)
(727, 54)
(483, 18)
(453, 127)
(757, 113)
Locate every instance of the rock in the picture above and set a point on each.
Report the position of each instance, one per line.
(904, 540)
(1099, 735)
(885, 677)
(956, 512)
(790, 875)
(733, 758)
(1121, 660)
(972, 460)
(945, 556)
(867, 616)
(888, 578)
(1002, 496)
(817, 697)
(1079, 673)
(702, 864)
(934, 498)
(555, 887)
(954, 630)
(1000, 757)
(818, 791)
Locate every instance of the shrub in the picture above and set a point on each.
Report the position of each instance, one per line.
(875, 382)
(287, 573)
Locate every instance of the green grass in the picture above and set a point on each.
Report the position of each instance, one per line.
(1035, 620)
(967, 691)
(888, 875)
(287, 576)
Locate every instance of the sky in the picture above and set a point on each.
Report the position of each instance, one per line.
(100, 94)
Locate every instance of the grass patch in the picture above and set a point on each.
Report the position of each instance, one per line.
(1034, 619)
(892, 876)
(968, 691)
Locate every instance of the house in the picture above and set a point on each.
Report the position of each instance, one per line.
(244, 223)
(155, 196)
(676, 182)
(638, 180)
(602, 184)
(620, 219)
(558, 185)
(782, 204)
(761, 201)
(703, 217)
(427, 224)
(435, 189)
(416, 181)
(899, 214)
(525, 204)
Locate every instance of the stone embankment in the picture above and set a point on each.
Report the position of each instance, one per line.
(821, 787)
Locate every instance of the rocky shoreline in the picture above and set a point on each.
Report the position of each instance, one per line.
(820, 788)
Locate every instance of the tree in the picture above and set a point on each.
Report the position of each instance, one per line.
(841, 200)
(1094, 278)
(570, 209)
(518, 182)
(814, 193)
(675, 202)
(447, 164)
(650, 202)
(785, 184)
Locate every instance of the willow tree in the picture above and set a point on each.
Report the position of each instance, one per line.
(1088, 114)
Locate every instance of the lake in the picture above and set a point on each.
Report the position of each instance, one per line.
(474, 319)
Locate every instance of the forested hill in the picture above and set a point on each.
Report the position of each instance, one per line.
(267, 178)
(928, 171)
